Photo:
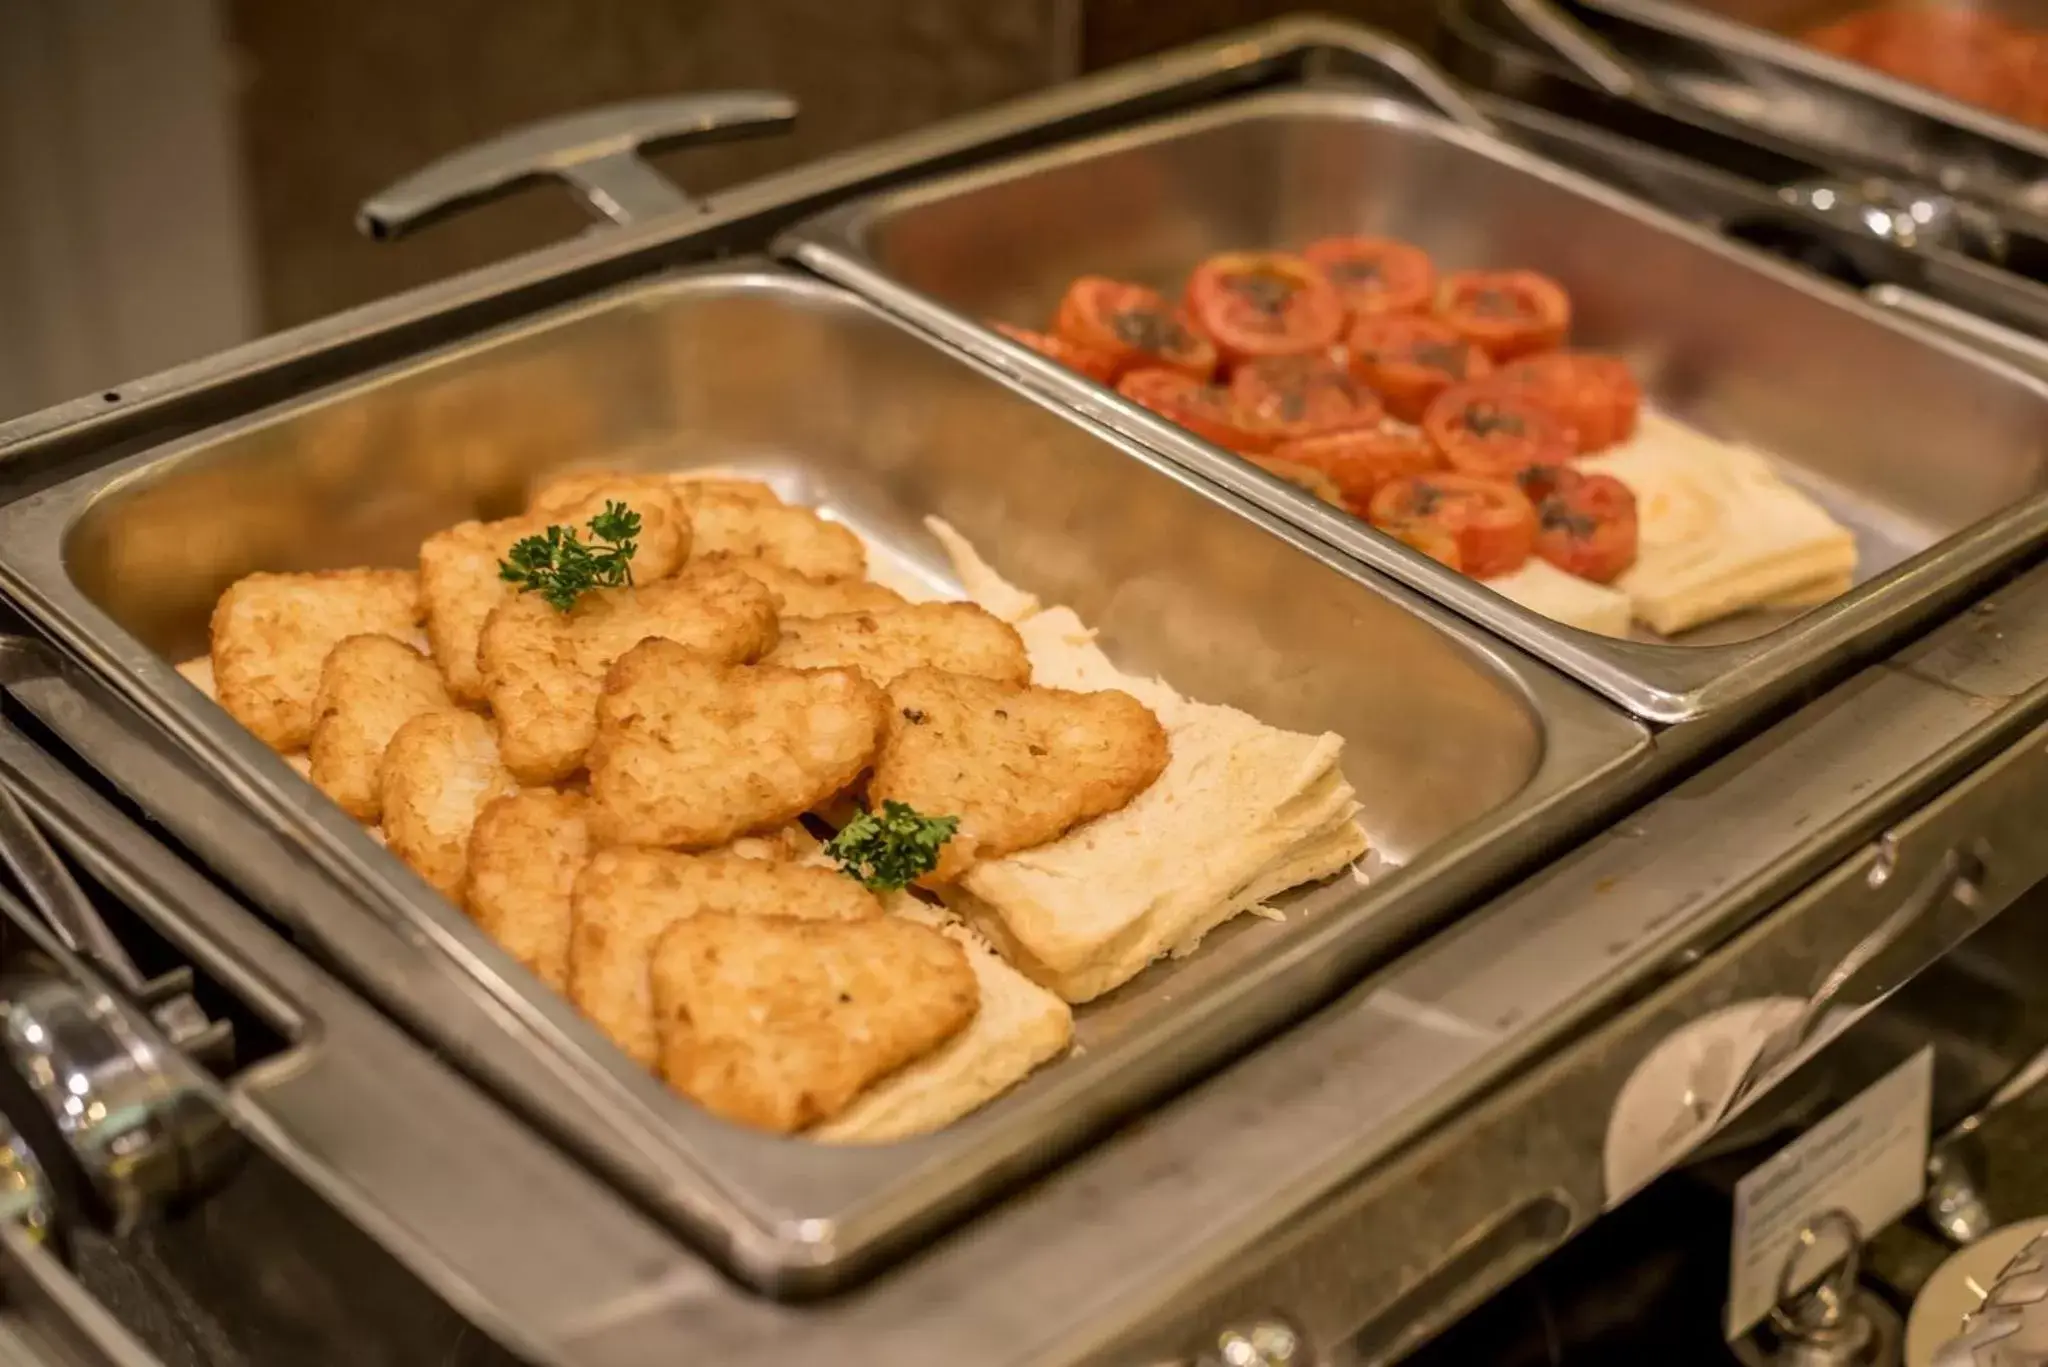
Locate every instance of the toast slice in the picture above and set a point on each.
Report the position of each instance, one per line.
(1544, 588)
(1720, 531)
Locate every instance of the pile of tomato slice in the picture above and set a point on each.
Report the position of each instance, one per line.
(1441, 407)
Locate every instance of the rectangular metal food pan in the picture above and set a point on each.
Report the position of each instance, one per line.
(1469, 758)
(1936, 457)
(1741, 59)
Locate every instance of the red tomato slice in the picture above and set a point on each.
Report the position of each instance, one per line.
(1300, 396)
(1493, 524)
(1429, 538)
(1134, 325)
(1505, 313)
(1596, 396)
(1264, 304)
(1409, 360)
(1361, 462)
(1376, 276)
(1495, 433)
(1585, 524)
(1204, 409)
(1099, 366)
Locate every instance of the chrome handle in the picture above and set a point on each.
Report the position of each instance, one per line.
(596, 151)
(49, 1319)
(2011, 1328)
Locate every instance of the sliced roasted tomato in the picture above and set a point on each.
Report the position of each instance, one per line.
(1376, 276)
(1136, 326)
(1203, 408)
(1264, 304)
(1408, 360)
(1099, 366)
(1362, 461)
(1495, 433)
(1596, 396)
(1493, 524)
(1585, 524)
(1300, 396)
(1505, 313)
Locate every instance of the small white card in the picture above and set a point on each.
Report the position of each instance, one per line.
(1868, 1158)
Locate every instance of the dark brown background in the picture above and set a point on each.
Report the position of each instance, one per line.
(338, 97)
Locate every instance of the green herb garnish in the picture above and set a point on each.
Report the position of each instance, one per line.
(892, 850)
(561, 568)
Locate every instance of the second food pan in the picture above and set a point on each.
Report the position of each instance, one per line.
(1933, 456)
(1469, 759)
(1986, 134)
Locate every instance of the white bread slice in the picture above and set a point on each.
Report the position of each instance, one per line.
(1240, 807)
(978, 581)
(1542, 587)
(1018, 1026)
(1814, 594)
(1720, 531)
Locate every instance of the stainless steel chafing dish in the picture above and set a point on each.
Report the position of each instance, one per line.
(1339, 1192)
(1738, 345)
(1467, 757)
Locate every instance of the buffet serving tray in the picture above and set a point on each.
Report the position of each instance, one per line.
(1738, 59)
(1849, 402)
(1469, 759)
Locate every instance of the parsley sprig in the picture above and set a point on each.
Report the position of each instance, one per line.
(892, 850)
(561, 568)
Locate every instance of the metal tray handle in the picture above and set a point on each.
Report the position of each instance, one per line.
(595, 151)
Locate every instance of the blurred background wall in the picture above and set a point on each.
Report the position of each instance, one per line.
(178, 175)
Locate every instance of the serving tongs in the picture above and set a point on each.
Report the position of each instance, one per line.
(46, 882)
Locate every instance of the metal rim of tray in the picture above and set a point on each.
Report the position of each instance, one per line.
(780, 1232)
(1659, 683)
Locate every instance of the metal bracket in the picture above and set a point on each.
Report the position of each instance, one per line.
(595, 151)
